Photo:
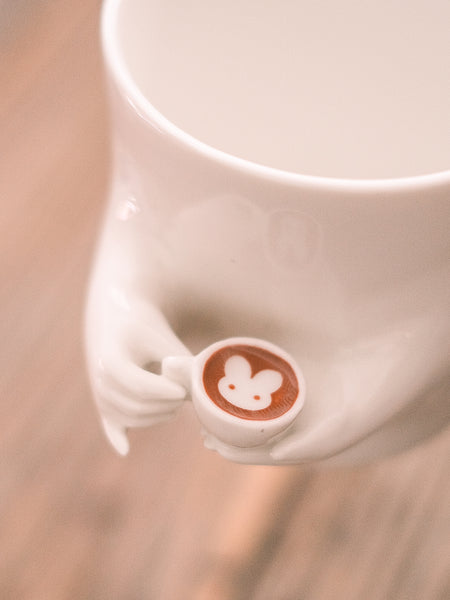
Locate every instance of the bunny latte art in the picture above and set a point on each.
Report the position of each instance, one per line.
(244, 390)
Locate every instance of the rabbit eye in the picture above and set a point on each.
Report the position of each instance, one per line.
(257, 397)
(232, 386)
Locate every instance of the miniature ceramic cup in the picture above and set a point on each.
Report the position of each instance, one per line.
(279, 173)
(245, 391)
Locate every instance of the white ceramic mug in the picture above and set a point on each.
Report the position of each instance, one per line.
(279, 173)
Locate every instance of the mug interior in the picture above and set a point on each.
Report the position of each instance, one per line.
(347, 89)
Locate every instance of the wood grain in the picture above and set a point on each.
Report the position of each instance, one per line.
(172, 521)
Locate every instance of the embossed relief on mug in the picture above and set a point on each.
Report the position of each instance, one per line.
(293, 239)
(230, 252)
(219, 241)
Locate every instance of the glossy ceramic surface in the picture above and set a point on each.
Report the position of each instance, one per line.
(346, 269)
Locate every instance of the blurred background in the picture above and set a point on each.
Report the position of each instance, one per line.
(172, 521)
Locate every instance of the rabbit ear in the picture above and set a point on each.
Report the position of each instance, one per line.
(238, 366)
(269, 380)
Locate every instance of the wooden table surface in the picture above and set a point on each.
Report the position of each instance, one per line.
(172, 521)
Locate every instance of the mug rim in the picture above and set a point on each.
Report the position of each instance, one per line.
(117, 66)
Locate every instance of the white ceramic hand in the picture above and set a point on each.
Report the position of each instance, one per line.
(124, 336)
(363, 389)
(292, 448)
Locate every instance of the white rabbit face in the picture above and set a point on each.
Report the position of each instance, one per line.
(245, 391)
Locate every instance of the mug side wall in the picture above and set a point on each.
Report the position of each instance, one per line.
(330, 253)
